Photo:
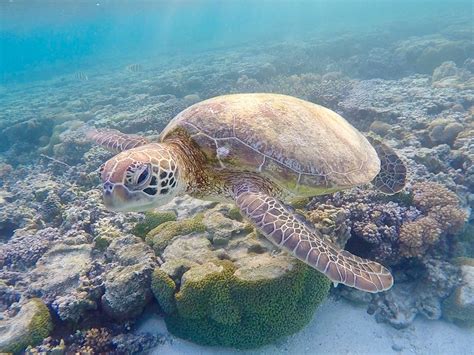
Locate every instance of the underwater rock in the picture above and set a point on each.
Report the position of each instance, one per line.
(29, 326)
(160, 237)
(444, 131)
(8, 296)
(377, 63)
(28, 133)
(448, 75)
(219, 305)
(57, 271)
(192, 99)
(218, 290)
(193, 248)
(445, 70)
(459, 306)
(127, 285)
(327, 92)
(425, 53)
(186, 206)
(5, 170)
(406, 299)
(127, 291)
(128, 343)
(73, 306)
(51, 209)
(23, 251)
(261, 72)
(381, 128)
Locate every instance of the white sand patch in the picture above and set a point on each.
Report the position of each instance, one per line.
(341, 328)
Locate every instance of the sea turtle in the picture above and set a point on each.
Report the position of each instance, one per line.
(259, 151)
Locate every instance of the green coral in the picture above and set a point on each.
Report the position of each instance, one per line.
(215, 307)
(151, 221)
(234, 213)
(160, 236)
(39, 327)
(163, 288)
(101, 242)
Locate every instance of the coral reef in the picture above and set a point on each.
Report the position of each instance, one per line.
(423, 294)
(127, 285)
(459, 306)
(159, 237)
(414, 232)
(218, 290)
(151, 221)
(58, 243)
(29, 326)
(98, 341)
(442, 216)
(218, 305)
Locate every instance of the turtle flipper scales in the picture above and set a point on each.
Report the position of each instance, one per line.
(392, 176)
(114, 140)
(284, 229)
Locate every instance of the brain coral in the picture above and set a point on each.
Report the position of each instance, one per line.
(221, 284)
(217, 307)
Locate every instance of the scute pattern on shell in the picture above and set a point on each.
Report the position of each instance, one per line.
(300, 145)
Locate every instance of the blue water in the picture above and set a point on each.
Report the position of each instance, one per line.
(43, 38)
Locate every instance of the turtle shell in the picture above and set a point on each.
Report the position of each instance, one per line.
(302, 147)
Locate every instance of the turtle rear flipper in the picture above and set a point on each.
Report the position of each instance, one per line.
(393, 172)
(114, 140)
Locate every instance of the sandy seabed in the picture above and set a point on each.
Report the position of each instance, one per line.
(339, 327)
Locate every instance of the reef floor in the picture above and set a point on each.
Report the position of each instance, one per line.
(339, 327)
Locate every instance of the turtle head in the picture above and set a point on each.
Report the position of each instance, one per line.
(140, 179)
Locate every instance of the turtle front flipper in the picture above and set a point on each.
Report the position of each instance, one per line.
(283, 228)
(393, 172)
(114, 140)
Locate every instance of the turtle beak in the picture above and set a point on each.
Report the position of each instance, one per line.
(116, 197)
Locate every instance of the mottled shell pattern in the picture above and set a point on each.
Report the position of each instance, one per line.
(302, 147)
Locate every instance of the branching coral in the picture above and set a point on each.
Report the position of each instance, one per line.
(442, 216)
(91, 341)
(417, 236)
(97, 340)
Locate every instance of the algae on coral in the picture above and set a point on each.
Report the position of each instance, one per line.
(151, 221)
(29, 327)
(216, 307)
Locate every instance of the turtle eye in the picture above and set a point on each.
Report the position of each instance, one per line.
(137, 175)
(143, 176)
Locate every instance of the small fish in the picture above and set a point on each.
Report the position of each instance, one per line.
(80, 75)
(134, 68)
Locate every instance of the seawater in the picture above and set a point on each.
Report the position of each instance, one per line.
(402, 69)
(40, 39)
